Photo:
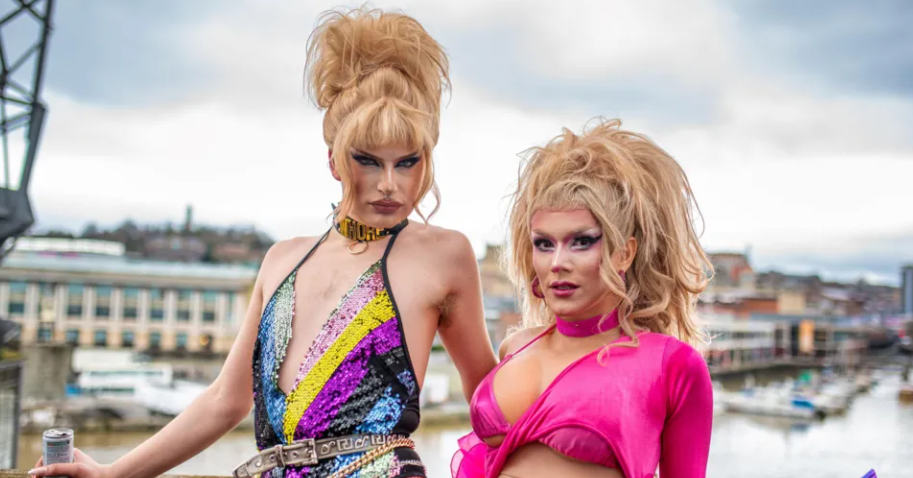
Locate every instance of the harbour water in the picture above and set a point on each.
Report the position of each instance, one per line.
(876, 432)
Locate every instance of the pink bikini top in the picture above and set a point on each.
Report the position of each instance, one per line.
(618, 414)
(564, 432)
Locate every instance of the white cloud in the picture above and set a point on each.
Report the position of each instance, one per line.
(776, 166)
(685, 41)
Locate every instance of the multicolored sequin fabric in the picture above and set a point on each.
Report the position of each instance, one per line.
(355, 378)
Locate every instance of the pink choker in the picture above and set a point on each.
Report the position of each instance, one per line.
(587, 327)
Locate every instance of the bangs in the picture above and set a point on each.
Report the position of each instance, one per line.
(385, 123)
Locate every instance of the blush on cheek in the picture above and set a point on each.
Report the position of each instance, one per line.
(541, 263)
(590, 263)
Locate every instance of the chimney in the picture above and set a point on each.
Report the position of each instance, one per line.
(188, 218)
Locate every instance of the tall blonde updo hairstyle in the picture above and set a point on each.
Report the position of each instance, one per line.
(634, 189)
(379, 78)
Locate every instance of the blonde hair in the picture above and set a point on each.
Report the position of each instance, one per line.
(379, 77)
(634, 189)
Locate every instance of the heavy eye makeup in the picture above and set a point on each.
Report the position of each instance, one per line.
(408, 162)
(581, 241)
(370, 161)
(365, 160)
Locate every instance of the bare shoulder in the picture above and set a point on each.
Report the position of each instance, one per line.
(518, 339)
(441, 245)
(281, 258)
(439, 236)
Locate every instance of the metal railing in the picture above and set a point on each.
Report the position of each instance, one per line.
(10, 410)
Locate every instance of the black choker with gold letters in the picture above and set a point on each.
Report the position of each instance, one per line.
(361, 233)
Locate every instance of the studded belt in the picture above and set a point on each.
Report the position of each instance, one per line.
(309, 452)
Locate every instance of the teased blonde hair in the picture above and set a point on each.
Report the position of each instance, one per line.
(634, 189)
(379, 76)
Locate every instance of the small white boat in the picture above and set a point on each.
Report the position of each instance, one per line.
(770, 402)
(168, 400)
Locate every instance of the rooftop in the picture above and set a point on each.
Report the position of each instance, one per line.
(100, 264)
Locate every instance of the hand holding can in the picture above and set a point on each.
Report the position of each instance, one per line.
(57, 446)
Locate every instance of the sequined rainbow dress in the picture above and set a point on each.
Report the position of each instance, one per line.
(356, 377)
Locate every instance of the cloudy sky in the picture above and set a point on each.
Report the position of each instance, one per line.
(792, 119)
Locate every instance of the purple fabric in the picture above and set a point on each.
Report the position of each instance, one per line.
(320, 414)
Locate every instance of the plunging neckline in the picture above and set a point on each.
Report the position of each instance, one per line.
(545, 392)
(310, 349)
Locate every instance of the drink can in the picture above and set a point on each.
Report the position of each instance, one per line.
(57, 446)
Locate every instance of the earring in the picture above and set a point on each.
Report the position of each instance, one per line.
(624, 276)
(535, 288)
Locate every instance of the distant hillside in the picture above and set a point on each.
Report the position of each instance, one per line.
(235, 245)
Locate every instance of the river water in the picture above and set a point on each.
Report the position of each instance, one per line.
(877, 432)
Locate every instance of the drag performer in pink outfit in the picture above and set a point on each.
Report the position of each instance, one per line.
(601, 380)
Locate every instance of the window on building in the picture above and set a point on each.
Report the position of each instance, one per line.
(46, 302)
(46, 289)
(72, 336)
(131, 304)
(183, 310)
(127, 338)
(155, 340)
(17, 298)
(74, 300)
(157, 305)
(45, 333)
(101, 338)
(17, 288)
(103, 302)
(210, 298)
(181, 340)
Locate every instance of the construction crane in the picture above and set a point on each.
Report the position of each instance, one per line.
(21, 110)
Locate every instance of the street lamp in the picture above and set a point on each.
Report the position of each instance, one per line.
(21, 111)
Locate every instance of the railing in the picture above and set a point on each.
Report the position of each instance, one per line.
(10, 409)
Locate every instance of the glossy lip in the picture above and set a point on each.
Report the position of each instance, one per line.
(564, 293)
(386, 207)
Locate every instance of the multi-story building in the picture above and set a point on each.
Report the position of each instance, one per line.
(501, 308)
(88, 294)
(732, 270)
(738, 344)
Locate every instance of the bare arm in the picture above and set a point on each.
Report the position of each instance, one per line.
(224, 404)
(463, 331)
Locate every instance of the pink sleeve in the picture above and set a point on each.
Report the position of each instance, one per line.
(469, 460)
(689, 416)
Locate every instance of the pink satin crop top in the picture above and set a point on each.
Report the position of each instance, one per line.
(641, 408)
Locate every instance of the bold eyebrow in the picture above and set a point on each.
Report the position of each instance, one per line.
(585, 229)
(573, 233)
(369, 155)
